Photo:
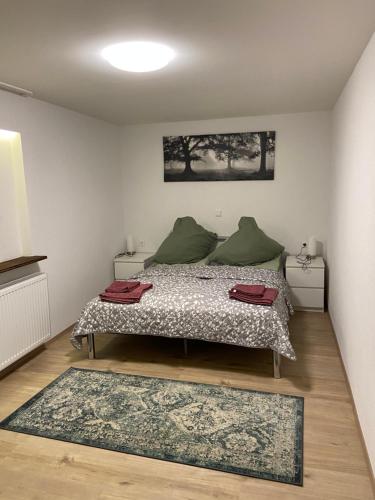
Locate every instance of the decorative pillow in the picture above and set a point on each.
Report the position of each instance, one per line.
(246, 247)
(188, 242)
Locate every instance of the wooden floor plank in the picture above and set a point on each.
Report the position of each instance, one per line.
(334, 463)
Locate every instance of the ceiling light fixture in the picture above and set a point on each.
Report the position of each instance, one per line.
(138, 57)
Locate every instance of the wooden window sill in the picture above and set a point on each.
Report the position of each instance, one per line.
(8, 265)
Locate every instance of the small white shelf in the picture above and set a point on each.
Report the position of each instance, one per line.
(128, 265)
(306, 283)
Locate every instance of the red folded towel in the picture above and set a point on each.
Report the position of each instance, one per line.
(252, 290)
(122, 286)
(267, 299)
(131, 297)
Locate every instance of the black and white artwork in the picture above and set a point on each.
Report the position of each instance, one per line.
(220, 157)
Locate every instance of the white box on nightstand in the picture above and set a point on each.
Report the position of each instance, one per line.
(306, 283)
(128, 265)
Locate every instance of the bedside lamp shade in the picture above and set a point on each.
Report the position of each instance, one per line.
(312, 246)
(130, 247)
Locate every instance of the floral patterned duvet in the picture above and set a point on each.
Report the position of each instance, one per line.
(192, 302)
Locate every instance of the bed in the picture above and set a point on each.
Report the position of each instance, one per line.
(191, 302)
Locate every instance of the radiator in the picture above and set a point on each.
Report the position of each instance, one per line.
(24, 317)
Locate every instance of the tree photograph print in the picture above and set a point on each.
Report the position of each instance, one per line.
(219, 157)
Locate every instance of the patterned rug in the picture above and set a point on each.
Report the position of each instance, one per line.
(233, 430)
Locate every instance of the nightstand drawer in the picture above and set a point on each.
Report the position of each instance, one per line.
(305, 278)
(308, 298)
(124, 270)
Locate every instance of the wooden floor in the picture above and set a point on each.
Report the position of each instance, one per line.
(334, 461)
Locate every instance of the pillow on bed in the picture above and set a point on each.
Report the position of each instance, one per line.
(188, 242)
(246, 247)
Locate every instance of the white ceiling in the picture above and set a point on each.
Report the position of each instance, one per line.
(235, 57)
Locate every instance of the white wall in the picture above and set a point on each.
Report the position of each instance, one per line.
(352, 237)
(289, 208)
(73, 180)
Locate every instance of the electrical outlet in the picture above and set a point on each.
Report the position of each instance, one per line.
(218, 212)
(141, 243)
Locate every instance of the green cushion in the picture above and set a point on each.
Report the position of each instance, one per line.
(188, 242)
(247, 246)
(273, 265)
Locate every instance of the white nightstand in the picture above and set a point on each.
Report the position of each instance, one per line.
(306, 283)
(126, 265)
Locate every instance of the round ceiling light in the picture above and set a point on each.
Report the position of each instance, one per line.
(138, 57)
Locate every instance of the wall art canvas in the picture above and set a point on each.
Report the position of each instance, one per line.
(220, 157)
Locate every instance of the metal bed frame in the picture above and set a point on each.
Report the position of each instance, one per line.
(276, 355)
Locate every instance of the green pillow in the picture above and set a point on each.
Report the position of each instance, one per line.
(188, 242)
(246, 247)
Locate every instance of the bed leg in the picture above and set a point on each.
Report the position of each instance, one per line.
(276, 364)
(91, 345)
(185, 348)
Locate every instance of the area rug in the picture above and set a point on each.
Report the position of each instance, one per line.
(233, 430)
